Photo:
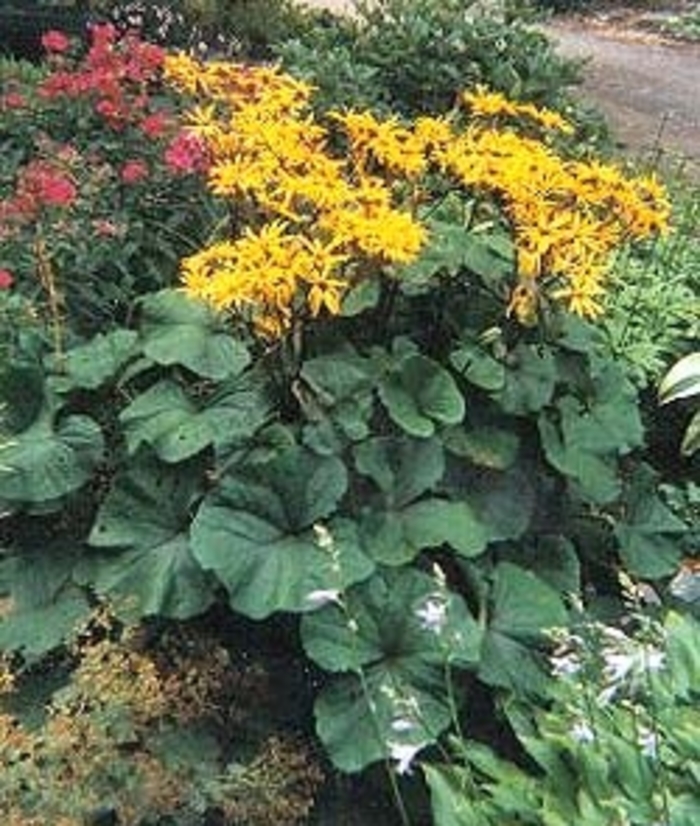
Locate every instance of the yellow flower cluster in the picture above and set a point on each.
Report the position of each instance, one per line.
(313, 219)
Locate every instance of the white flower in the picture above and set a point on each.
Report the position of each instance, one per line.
(402, 724)
(648, 743)
(582, 732)
(321, 597)
(433, 614)
(403, 754)
(565, 665)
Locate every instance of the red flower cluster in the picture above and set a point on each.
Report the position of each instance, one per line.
(186, 154)
(114, 75)
(55, 42)
(40, 184)
(6, 279)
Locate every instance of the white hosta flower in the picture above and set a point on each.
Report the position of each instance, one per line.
(402, 724)
(582, 732)
(403, 754)
(433, 614)
(321, 597)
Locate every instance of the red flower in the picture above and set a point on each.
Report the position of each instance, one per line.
(12, 100)
(133, 171)
(6, 279)
(42, 184)
(186, 154)
(55, 42)
(154, 125)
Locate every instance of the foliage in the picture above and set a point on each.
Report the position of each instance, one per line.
(651, 309)
(681, 382)
(141, 735)
(414, 56)
(95, 179)
(617, 745)
(377, 413)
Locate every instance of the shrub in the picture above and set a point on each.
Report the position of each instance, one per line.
(414, 56)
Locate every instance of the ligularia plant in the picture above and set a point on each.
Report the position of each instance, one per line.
(317, 208)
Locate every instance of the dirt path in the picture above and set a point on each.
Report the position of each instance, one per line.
(648, 88)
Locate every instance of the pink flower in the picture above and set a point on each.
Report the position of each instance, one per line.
(6, 279)
(55, 42)
(12, 100)
(133, 171)
(186, 153)
(154, 125)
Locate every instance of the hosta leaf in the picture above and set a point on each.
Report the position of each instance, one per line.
(180, 330)
(691, 438)
(257, 534)
(400, 628)
(418, 394)
(47, 461)
(682, 380)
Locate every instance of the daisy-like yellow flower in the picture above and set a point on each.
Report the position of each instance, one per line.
(314, 219)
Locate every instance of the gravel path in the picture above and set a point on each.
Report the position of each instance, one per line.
(648, 88)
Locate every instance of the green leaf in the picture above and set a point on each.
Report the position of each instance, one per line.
(257, 534)
(364, 296)
(503, 502)
(163, 580)
(449, 799)
(399, 628)
(420, 393)
(523, 609)
(21, 395)
(648, 532)
(45, 604)
(146, 516)
(164, 418)
(46, 462)
(339, 387)
(179, 330)
(395, 537)
(479, 366)
(402, 468)
(485, 446)
(530, 379)
(93, 364)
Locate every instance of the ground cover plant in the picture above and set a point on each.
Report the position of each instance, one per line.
(339, 378)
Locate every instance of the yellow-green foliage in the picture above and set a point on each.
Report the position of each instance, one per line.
(97, 747)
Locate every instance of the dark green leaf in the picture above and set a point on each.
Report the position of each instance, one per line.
(180, 330)
(529, 380)
(419, 394)
(44, 462)
(257, 534)
(399, 628)
(93, 364)
(485, 446)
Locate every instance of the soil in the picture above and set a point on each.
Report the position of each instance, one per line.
(647, 84)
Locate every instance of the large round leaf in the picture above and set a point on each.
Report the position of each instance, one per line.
(396, 633)
(144, 522)
(257, 534)
(419, 394)
(180, 330)
(46, 462)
